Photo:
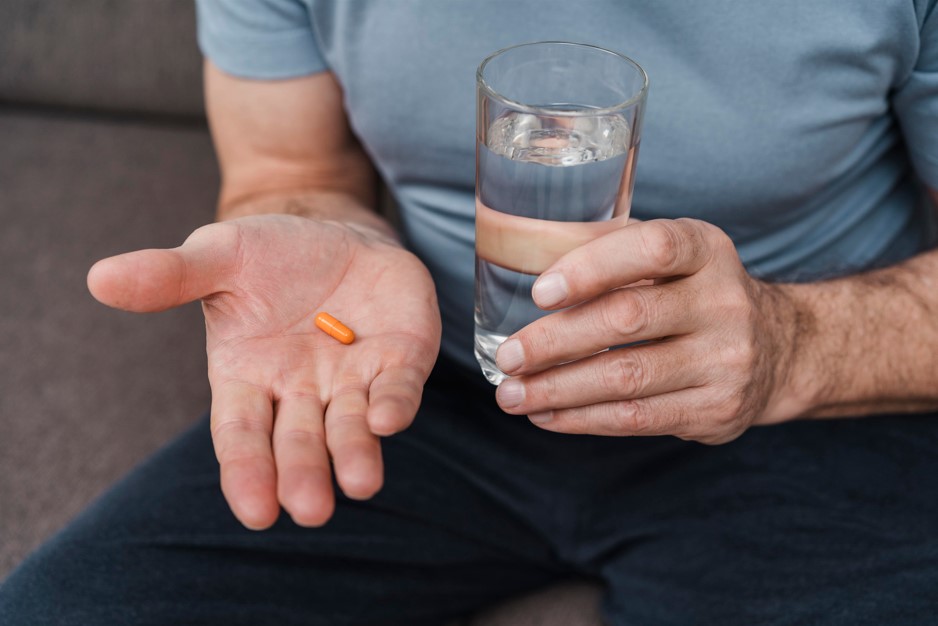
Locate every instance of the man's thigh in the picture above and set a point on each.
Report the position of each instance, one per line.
(808, 523)
(163, 548)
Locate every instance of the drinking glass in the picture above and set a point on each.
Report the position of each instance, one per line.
(557, 136)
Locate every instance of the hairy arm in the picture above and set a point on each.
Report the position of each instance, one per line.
(866, 344)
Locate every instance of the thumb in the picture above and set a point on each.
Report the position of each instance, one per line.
(146, 281)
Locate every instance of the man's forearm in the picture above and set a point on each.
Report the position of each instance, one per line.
(868, 343)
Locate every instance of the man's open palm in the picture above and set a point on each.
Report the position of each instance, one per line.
(285, 396)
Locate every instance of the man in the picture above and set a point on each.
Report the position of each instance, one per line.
(790, 142)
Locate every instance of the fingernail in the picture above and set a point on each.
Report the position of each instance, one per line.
(510, 393)
(549, 289)
(541, 418)
(510, 355)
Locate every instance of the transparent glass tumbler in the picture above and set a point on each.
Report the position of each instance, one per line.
(557, 136)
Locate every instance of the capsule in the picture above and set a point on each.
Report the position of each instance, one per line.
(334, 328)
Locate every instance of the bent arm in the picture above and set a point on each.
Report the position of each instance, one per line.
(868, 343)
(286, 146)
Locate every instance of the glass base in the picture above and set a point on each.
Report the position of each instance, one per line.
(485, 346)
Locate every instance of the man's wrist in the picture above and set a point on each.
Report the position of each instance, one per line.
(795, 329)
(809, 372)
(323, 206)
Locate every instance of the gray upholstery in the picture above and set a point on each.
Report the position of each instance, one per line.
(87, 392)
(110, 55)
(573, 604)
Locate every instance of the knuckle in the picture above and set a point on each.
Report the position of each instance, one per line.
(624, 313)
(223, 429)
(697, 235)
(623, 373)
(405, 398)
(662, 244)
(716, 237)
(628, 418)
(239, 454)
(737, 302)
(347, 424)
(347, 385)
(640, 313)
(301, 436)
(301, 390)
(236, 456)
(398, 386)
(739, 357)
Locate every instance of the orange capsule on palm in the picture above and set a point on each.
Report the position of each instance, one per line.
(334, 328)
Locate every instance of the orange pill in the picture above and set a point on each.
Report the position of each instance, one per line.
(334, 328)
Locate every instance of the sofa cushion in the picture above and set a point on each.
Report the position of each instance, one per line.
(115, 55)
(86, 392)
(574, 603)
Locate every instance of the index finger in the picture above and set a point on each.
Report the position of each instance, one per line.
(242, 421)
(654, 249)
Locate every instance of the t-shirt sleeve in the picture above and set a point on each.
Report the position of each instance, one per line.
(916, 103)
(261, 39)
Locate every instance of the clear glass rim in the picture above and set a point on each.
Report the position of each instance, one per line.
(527, 108)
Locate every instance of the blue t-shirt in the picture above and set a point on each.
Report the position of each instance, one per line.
(801, 128)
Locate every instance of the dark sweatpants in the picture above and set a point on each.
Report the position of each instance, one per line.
(832, 522)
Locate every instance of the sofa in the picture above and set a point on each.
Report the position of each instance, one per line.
(104, 148)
